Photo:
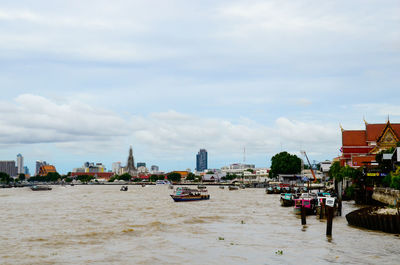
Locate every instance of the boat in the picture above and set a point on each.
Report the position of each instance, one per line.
(231, 187)
(202, 187)
(187, 194)
(287, 199)
(124, 188)
(170, 186)
(269, 190)
(242, 186)
(41, 187)
(277, 190)
(308, 201)
(222, 187)
(143, 185)
(162, 182)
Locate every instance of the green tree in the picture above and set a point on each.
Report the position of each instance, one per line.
(52, 177)
(284, 163)
(174, 177)
(4, 177)
(125, 177)
(21, 177)
(161, 177)
(190, 176)
(68, 179)
(153, 178)
(84, 178)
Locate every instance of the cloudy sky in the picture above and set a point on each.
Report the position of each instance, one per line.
(83, 80)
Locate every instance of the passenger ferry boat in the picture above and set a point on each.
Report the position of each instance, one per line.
(40, 187)
(182, 194)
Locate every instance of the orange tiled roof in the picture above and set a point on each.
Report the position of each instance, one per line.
(376, 130)
(354, 138)
(49, 168)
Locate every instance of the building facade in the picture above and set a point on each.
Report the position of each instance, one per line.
(116, 167)
(9, 168)
(201, 160)
(20, 164)
(39, 163)
(140, 164)
(359, 147)
(90, 167)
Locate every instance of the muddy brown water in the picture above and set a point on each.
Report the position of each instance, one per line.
(99, 224)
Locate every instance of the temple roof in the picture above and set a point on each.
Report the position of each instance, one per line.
(354, 138)
(374, 131)
(371, 133)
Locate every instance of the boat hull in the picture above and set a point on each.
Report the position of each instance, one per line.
(190, 198)
(287, 203)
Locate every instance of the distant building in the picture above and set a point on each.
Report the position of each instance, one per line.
(359, 147)
(90, 167)
(46, 169)
(20, 164)
(100, 176)
(116, 167)
(201, 160)
(9, 168)
(130, 165)
(26, 170)
(140, 164)
(39, 163)
(154, 168)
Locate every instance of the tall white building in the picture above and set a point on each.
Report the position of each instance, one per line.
(20, 164)
(116, 167)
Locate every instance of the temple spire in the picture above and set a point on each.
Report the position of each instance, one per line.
(341, 128)
(366, 123)
(130, 165)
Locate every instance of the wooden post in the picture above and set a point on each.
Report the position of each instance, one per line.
(340, 207)
(303, 215)
(321, 214)
(329, 220)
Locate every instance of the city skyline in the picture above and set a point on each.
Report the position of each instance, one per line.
(82, 82)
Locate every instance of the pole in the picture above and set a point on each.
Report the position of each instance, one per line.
(303, 215)
(329, 221)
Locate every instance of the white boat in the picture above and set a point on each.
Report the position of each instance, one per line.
(162, 182)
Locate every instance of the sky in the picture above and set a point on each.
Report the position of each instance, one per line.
(84, 80)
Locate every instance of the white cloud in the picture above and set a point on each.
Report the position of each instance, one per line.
(36, 119)
(72, 125)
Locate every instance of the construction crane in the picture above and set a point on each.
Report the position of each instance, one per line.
(312, 171)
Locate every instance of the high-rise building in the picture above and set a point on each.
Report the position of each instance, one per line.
(116, 167)
(154, 169)
(26, 170)
(140, 164)
(20, 164)
(9, 168)
(201, 160)
(39, 163)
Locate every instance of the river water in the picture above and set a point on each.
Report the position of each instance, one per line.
(98, 224)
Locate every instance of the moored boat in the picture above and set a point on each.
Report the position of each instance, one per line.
(186, 194)
(308, 203)
(287, 199)
(269, 190)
